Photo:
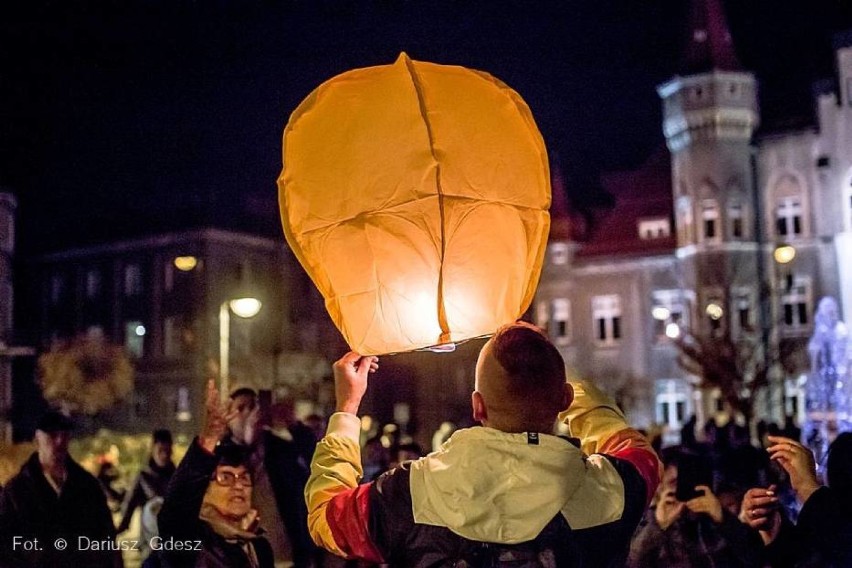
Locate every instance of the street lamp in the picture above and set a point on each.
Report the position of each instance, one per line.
(242, 307)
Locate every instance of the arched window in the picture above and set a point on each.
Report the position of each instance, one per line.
(789, 208)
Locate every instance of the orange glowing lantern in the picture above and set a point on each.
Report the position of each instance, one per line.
(416, 197)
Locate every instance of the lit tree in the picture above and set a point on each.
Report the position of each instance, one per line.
(85, 375)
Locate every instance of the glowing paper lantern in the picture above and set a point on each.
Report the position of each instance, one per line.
(416, 196)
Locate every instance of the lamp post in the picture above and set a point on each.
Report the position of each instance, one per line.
(245, 307)
(782, 255)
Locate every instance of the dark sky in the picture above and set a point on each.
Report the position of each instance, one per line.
(127, 117)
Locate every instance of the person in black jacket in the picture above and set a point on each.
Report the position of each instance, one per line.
(206, 518)
(280, 472)
(54, 500)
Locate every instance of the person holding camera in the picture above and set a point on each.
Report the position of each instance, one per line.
(688, 526)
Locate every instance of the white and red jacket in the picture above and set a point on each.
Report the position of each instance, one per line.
(489, 496)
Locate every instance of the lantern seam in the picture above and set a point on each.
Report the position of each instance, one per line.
(419, 91)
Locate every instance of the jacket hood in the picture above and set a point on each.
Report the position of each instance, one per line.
(492, 486)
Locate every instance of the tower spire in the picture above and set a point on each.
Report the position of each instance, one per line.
(709, 45)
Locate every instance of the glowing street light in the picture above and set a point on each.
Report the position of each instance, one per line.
(185, 263)
(245, 307)
(714, 311)
(784, 254)
(672, 331)
(661, 313)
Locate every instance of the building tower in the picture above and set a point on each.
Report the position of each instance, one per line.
(709, 115)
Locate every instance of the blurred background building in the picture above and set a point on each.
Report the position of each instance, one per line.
(732, 235)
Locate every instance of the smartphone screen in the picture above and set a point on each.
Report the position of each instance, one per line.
(692, 470)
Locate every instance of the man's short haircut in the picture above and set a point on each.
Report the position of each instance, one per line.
(244, 391)
(531, 361)
(161, 436)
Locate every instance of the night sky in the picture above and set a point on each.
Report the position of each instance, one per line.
(130, 117)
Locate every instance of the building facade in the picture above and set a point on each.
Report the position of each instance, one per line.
(162, 298)
(730, 232)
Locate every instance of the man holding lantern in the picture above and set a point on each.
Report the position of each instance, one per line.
(508, 491)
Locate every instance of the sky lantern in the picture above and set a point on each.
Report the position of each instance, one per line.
(416, 197)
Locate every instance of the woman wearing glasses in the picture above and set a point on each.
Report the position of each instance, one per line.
(206, 519)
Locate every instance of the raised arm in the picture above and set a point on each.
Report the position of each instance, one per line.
(600, 425)
(338, 508)
(178, 517)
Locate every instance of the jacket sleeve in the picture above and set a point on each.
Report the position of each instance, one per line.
(602, 429)
(825, 525)
(745, 542)
(135, 498)
(178, 517)
(338, 508)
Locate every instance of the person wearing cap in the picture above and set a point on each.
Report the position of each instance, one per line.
(280, 472)
(54, 500)
(206, 518)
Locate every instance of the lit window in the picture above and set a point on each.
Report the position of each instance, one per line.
(710, 219)
(667, 307)
(559, 253)
(788, 217)
(743, 310)
(562, 320)
(182, 405)
(606, 314)
(542, 315)
(134, 338)
(735, 218)
(654, 229)
(672, 403)
(132, 280)
(795, 302)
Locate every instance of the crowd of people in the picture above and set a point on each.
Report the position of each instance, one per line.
(254, 490)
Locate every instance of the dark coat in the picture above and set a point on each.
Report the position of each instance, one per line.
(288, 473)
(695, 542)
(179, 521)
(822, 537)
(31, 509)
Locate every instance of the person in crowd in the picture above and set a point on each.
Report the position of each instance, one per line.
(148, 490)
(376, 459)
(53, 499)
(207, 507)
(279, 472)
(107, 475)
(693, 531)
(822, 535)
(505, 492)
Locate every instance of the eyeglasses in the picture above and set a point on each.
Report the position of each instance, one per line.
(229, 478)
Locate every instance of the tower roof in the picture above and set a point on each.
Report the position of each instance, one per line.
(709, 45)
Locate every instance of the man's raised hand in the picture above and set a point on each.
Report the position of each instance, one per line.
(350, 380)
(216, 417)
